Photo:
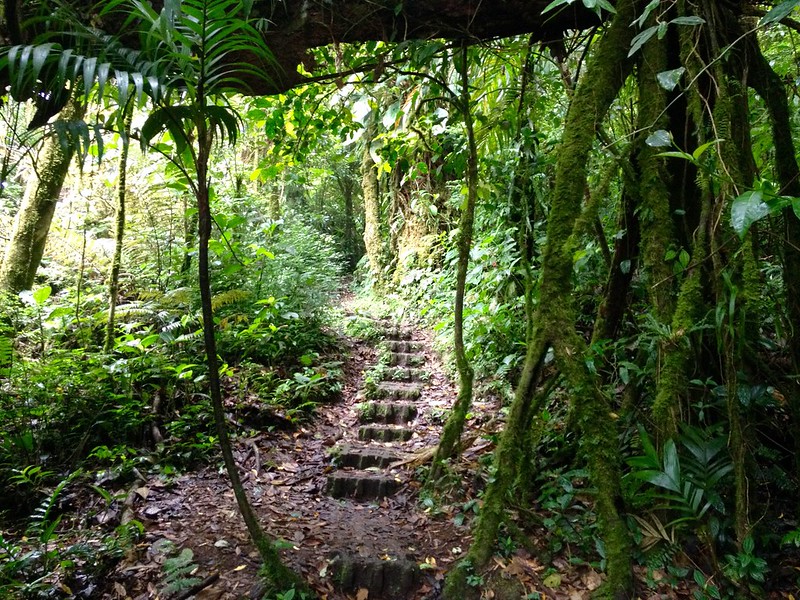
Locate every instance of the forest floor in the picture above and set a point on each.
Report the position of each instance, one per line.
(287, 472)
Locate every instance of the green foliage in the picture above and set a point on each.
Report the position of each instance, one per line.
(46, 558)
(567, 518)
(780, 12)
(178, 572)
(745, 568)
(752, 206)
(688, 487)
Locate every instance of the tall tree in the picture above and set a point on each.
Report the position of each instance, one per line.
(28, 239)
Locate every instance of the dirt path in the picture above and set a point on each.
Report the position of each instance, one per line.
(351, 520)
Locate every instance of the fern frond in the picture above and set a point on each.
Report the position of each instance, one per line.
(653, 532)
(190, 337)
(229, 297)
(135, 310)
(179, 296)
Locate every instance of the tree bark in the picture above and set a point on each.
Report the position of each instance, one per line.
(113, 282)
(277, 573)
(26, 246)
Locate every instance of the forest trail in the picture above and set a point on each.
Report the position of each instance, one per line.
(333, 491)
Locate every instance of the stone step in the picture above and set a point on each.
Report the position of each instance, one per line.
(394, 579)
(404, 346)
(397, 333)
(365, 458)
(397, 413)
(404, 374)
(397, 390)
(406, 359)
(384, 433)
(361, 485)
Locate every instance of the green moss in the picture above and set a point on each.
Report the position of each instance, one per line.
(672, 381)
(456, 585)
(555, 320)
(372, 210)
(652, 186)
(25, 248)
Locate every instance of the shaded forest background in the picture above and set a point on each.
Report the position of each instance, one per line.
(598, 215)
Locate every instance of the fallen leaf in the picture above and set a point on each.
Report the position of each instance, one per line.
(592, 580)
(363, 594)
(552, 581)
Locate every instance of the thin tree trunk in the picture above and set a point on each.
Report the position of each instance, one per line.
(276, 572)
(351, 251)
(25, 248)
(113, 283)
(451, 436)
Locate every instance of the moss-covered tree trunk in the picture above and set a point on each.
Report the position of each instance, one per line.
(116, 263)
(26, 245)
(451, 435)
(555, 325)
(372, 207)
(653, 184)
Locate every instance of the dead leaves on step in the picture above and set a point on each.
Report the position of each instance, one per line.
(565, 583)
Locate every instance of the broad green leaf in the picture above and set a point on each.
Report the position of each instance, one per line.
(596, 5)
(641, 39)
(781, 11)
(556, 4)
(659, 139)
(41, 295)
(607, 6)
(640, 20)
(40, 55)
(670, 79)
(748, 208)
(60, 311)
(676, 154)
(689, 20)
(672, 468)
(702, 149)
(150, 340)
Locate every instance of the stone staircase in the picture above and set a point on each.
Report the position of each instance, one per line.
(363, 462)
